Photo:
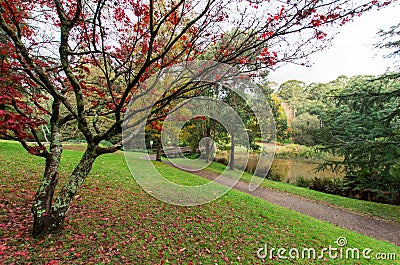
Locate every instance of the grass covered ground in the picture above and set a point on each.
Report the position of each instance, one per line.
(377, 210)
(113, 221)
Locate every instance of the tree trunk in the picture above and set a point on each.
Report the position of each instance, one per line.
(41, 207)
(232, 154)
(208, 144)
(48, 216)
(64, 199)
(158, 154)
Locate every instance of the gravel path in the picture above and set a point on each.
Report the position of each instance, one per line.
(338, 216)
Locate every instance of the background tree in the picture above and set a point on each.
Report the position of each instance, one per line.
(210, 128)
(51, 44)
(192, 133)
(153, 130)
(304, 127)
(293, 92)
(363, 132)
(281, 121)
(277, 110)
(313, 104)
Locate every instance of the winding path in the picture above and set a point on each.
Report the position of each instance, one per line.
(365, 225)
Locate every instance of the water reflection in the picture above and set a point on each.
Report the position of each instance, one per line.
(286, 170)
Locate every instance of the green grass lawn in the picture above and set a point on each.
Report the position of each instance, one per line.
(113, 221)
(378, 210)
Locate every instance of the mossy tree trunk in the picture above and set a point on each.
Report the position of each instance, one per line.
(49, 214)
(41, 207)
(64, 199)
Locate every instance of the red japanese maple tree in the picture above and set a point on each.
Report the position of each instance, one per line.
(81, 62)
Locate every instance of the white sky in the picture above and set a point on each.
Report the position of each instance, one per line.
(351, 53)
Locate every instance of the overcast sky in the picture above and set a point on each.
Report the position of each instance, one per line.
(351, 53)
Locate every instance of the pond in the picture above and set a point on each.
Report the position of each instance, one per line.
(286, 170)
(289, 170)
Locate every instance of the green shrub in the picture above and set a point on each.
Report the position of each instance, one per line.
(303, 182)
